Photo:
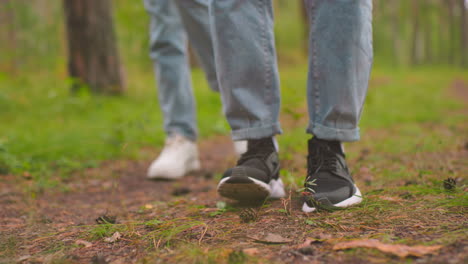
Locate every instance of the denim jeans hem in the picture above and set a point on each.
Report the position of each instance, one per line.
(330, 133)
(257, 132)
(179, 131)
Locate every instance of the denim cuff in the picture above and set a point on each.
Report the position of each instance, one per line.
(331, 133)
(192, 136)
(257, 132)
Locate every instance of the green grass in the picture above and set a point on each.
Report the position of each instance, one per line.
(412, 123)
(43, 125)
(45, 129)
(47, 132)
(403, 102)
(104, 230)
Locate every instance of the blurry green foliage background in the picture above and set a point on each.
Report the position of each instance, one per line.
(45, 130)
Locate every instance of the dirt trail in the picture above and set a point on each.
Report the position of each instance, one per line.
(180, 222)
(116, 188)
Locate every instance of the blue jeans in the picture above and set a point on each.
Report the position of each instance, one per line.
(340, 59)
(171, 22)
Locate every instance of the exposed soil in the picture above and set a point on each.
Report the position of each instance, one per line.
(47, 227)
(59, 225)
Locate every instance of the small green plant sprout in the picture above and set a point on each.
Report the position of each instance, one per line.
(286, 202)
(308, 188)
(106, 219)
(309, 222)
(153, 223)
(103, 230)
(221, 206)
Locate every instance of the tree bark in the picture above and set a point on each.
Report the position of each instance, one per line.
(8, 35)
(305, 25)
(442, 33)
(428, 31)
(396, 32)
(93, 58)
(452, 33)
(464, 33)
(415, 46)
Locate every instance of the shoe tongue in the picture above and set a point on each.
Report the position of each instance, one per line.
(261, 145)
(333, 145)
(260, 148)
(255, 163)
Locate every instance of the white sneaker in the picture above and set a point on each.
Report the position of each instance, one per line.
(179, 156)
(240, 147)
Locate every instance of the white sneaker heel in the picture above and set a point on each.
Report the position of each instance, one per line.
(179, 157)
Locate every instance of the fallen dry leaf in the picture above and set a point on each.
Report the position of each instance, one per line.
(84, 243)
(400, 250)
(116, 236)
(23, 258)
(251, 251)
(271, 238)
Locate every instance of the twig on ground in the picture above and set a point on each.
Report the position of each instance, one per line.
(202, 235)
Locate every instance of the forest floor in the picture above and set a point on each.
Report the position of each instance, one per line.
(413, 179)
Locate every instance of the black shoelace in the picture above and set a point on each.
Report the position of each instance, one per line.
(323, 159)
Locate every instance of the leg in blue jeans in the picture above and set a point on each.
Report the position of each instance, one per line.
(195, 17)
(245, 58)
(340, 58)
(171, 20)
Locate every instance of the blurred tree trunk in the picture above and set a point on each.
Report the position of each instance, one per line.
(305, 24)
(428, 31)
(8, 34)
(395, 30)
(92, 50)
(442, 33)
(415, 34)
(452, 33)
(464, 34)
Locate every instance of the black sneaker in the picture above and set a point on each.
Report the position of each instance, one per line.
(256, 175)
(329, 184)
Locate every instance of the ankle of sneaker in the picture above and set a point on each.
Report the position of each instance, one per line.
(269, 143)
(335, 145)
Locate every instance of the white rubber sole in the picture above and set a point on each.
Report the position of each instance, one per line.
(253, 191)
(355, 199)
